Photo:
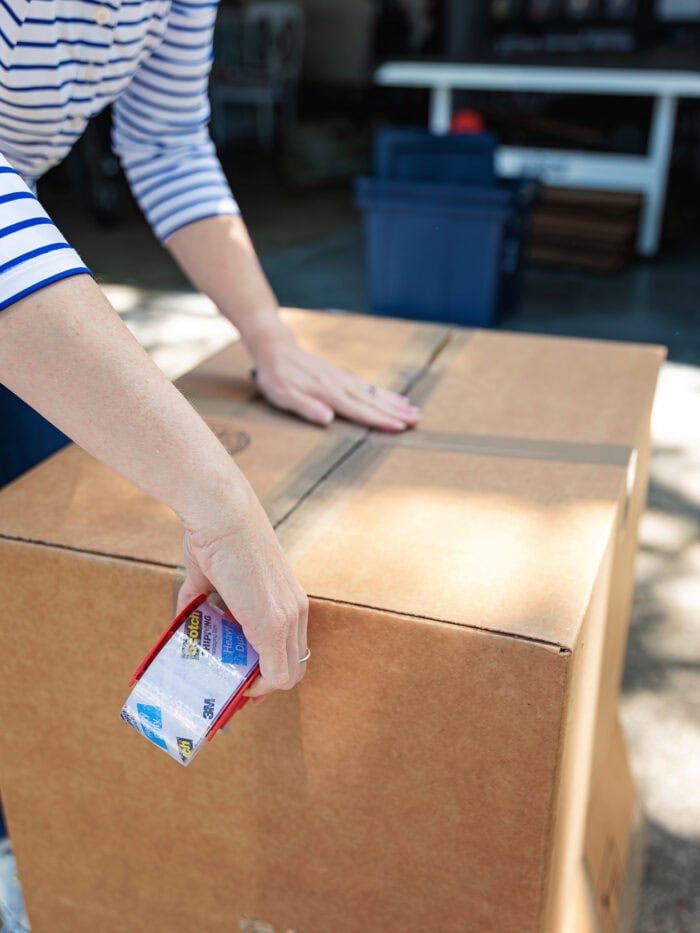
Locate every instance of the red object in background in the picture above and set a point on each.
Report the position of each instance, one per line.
(467, 121)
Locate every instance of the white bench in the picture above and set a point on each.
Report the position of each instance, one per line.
(647, 173)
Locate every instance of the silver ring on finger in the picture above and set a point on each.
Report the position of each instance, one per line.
(306, 656)
(370, 389)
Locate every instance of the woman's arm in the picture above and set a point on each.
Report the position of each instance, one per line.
(65, 351)
(218, 257)
(161, 137)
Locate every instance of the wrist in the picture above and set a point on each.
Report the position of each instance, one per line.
(264, 332)
(213, 493)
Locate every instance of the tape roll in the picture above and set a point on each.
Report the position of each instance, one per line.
(187, 685)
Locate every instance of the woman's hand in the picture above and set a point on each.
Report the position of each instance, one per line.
(236, 553)
(218, 257)
(295, 380)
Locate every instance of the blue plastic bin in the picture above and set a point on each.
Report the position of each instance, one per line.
(439, 252)
(416, 154)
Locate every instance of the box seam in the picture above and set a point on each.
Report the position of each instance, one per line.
(561, 731)
(542, 642)
(52, 545)
(364, 438)
(515, 636)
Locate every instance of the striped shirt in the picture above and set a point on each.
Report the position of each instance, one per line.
(62, 62)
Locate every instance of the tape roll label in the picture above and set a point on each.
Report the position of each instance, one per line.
(189, 682)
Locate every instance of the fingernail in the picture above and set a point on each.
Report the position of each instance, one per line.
(325, 416)
(395, 425)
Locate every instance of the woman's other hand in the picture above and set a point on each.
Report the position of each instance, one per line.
(295, 380)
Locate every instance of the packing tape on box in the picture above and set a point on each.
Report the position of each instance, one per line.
(522, 448)
(304, 524)
(185, 688)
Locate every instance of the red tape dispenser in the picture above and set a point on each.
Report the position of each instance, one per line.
(192, 681)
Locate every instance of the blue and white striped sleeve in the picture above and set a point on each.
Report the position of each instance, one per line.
(33, 253)
(160, 126)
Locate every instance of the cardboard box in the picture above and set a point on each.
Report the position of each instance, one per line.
(433, 769)
(582, 228)
(612, 869)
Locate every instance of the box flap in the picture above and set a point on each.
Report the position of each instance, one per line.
(507, 385)
(504, 544)
(73, 500)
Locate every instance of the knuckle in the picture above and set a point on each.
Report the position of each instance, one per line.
(280, 624)
(256, 635)
(292, 611)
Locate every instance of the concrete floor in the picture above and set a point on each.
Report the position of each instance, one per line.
(311, 247)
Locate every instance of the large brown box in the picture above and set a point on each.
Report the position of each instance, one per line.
(470, 583)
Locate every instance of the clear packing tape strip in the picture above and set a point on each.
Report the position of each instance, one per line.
(192, 681)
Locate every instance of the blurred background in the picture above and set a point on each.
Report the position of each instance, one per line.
(559, 192)
(297, 107)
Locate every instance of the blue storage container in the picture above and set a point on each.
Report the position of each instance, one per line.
(440, 252)
(415, 154)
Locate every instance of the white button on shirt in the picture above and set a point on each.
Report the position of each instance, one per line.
(151, 59)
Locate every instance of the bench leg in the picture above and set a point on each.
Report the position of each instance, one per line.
(440, 110)
(663, 122)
